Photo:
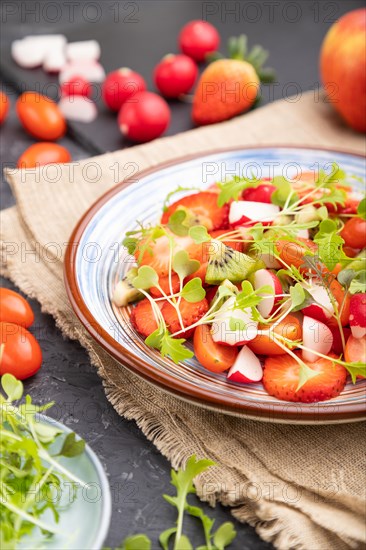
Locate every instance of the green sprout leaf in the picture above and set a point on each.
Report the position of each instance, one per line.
(12, 387)
(361, 209)
(329, 243)
(183, 265)
(193, 290)
(233, 189)
(305, 374)
(284, 189)
(358, 283)
(146, 278)
(176, 223)
(224, 535)
(71, 447)
(165, 536)
(300, 297)
(174, 348)
(199, 234)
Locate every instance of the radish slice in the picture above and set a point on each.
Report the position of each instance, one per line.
(303, 233)
(247, 368)
(357, 318)
(221, 331)
(263, 277)
(323, 309)
(27, 54)
(47, 41)
(250, 212)
(90, 70)
(316, 336)
(54, 61)
(86, 50)
(78, 108)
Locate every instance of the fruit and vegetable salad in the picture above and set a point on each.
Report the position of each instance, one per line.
(266, 277)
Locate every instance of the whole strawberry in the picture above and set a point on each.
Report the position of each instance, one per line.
(228, 87)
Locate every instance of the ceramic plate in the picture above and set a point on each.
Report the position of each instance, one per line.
(95, 260)
(84, 521)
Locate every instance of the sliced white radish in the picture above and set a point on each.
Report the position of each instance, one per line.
(263, 277)
(54, 61)
(90, 70)
(322, 308)
(247, 368)
(303, 233)
(317, 337)
(357, 317)
(78, 108)
(27, 55)
(86, 50)
(47, 41)
(250, 212)
(246, 327)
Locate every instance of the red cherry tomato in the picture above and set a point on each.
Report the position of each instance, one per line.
(40, 116)
(21, 353)
(42, 153)
(262, 193)
(175, 75)
(355, 350)
(354, 233)
(144, 119)
(4, 106)
(198, 38)
(14, 308)
(214, 357)
(121, 85)
(77, 86)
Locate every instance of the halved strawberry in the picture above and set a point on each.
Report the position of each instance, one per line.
(204, 207)
(281, 378)
(165, 285)
(190, 312)
(143, 319)
(157, 254)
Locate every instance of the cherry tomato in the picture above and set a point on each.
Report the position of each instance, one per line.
(42, 153)
(175, 75)
(293, 253)
(214, 357)
(77, 86)
(14, 308)
(343, 300)
(40, 116)
(262, 193)
(145, 119)
(354, 233)
(289, 328)
(21, 353)
(197, 39)
(121, 85)
(4, 106)
(355, 350)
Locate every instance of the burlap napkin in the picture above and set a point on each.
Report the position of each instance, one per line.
(300, 486)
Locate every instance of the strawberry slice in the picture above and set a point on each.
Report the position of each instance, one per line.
(143, 319)
(281, 378)
(165, 285)
(204, 207)
(190, 312)
(157, 253)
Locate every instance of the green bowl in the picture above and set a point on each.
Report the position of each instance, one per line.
(84, 520)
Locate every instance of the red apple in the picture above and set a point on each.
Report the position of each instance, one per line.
(343, 67)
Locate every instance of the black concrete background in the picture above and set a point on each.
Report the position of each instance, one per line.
(137, 34)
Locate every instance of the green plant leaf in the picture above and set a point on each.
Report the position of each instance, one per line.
(361, 209)
(183, 265)
(329, 243)
(356, 369)
(174, 348)
(12, 387)
(146, 278)
(165, 536)
(346, 276)
(224, 535)
(193, 290)
(305, 374)
(183, 543)
(71, 447)
(233, 188)
(137, 542)
(199, 235)
(176, 223)
(358, 283)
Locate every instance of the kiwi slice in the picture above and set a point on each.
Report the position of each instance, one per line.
(226, 263)
(125, 292)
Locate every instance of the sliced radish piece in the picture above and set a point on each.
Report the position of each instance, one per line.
(78, 108)
(250, 212)
(47, 41)
(54, 61)
(86, 50)
(90, 70)
(221, 331)
(357, 317)
(247, 368)
(263, 277)
(27, 54)
(316, 336)
(323, 309)
(303, 233)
